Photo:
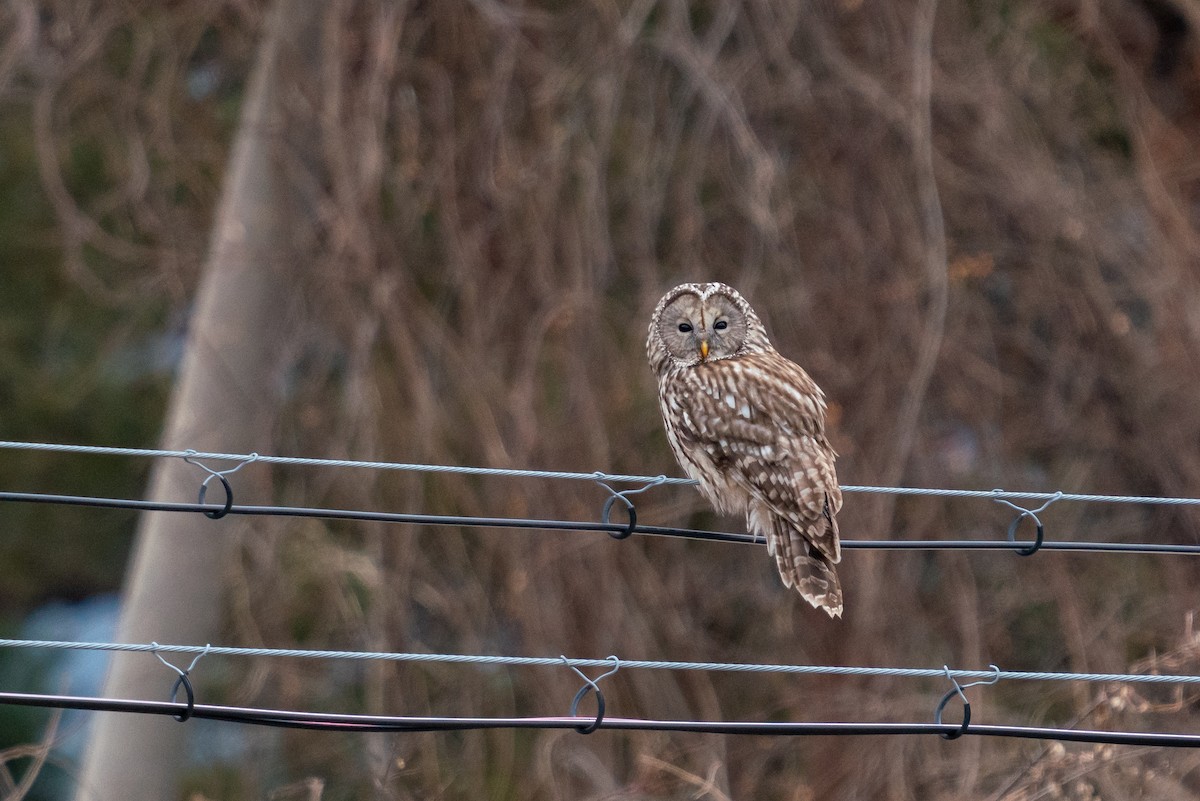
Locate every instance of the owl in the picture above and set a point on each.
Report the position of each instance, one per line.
(749, 425)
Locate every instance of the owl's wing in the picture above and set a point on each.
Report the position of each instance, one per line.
(761, 419)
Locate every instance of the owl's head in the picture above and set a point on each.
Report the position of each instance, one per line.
(695, 323)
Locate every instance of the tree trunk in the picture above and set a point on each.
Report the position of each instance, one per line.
(224, 400)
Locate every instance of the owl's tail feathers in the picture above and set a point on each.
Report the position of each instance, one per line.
(817, 582)
(808, 570)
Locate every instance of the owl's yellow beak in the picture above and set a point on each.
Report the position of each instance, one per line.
(703, 349)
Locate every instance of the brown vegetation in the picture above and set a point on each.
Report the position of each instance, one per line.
(974, 224)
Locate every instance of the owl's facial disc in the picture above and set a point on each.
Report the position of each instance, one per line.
(696, 331)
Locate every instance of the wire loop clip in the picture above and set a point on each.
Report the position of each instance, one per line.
(590, 685)
(623, 496)
(630, 510)
(958, 690)
(183, 681)
(220, 475)
(1027, 550)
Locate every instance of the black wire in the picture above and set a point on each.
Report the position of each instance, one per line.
(398, 724)
(581, 525)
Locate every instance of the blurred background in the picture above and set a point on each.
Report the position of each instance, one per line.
(974, 223)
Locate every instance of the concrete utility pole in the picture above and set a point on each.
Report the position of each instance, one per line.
(224, 400)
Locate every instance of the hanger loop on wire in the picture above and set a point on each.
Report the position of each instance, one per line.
(630, 510)
(590, 685)
(958, 690)
(220, 475)
(184, 681)
(623, 496)
(224, 510)
(1027, 550)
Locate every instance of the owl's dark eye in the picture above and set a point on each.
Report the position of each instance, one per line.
(720, 325)
(685, 328)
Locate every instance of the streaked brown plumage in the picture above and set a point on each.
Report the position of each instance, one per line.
(749, 425)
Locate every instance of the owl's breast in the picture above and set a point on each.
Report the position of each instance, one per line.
(697, 445)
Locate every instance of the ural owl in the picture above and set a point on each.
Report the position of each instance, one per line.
(749, 425)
